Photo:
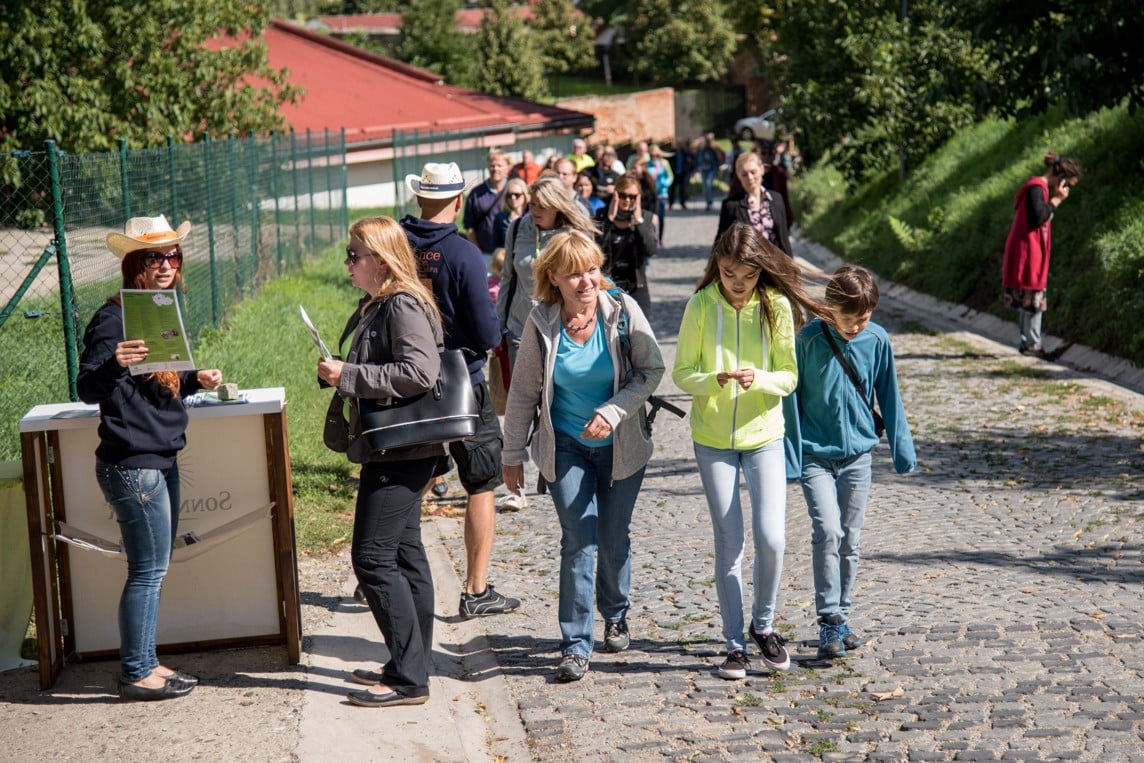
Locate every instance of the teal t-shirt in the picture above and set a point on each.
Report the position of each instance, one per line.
(581, 381)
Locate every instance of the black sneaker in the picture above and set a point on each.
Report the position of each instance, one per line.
(572, 667)
(851, 639)
(488, 603)
(773, 648)
(616, 638)
(734, 668)
(830, 633)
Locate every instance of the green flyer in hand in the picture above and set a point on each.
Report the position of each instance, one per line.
(154, 317)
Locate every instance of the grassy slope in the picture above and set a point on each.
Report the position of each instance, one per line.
(266, 345)
(958, 205)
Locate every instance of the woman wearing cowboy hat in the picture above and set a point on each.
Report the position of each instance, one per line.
(142, 428)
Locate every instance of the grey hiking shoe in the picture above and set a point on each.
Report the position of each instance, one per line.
(616, 638)
(572, 667)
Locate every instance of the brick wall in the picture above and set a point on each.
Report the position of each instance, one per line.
(630, 117)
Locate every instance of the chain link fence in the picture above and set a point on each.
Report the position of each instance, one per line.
(258, 207)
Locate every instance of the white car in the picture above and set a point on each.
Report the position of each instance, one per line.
(757, 128)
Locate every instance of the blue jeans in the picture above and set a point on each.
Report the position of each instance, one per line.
(836, 492)
(764, 473)
(707, 178)
(595, 514)
(390, 563)
(146, 505)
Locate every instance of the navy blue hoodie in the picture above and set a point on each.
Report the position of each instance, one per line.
(141, 424)
(456, 270)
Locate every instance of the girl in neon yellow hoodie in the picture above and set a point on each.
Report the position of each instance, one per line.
(736, 358)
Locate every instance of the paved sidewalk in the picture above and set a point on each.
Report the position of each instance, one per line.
(1000, 589)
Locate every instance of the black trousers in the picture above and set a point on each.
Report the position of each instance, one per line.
(390, 563)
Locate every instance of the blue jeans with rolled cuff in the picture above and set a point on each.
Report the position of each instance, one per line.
(146, 506)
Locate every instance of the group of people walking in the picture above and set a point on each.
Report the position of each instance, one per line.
(784, 385)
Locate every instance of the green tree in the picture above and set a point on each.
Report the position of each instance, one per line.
(676, 41)
(507, 62)
(876, 88)
(86, 74)
(1084, 54)
(563, 35)
(430, 40)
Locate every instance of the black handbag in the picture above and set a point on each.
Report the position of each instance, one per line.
(444, 413)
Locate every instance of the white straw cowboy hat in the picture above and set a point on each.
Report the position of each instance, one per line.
(143, 232)
(437, 181)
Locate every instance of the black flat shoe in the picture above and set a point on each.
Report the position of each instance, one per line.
(183, 678)
(369, 699)
(169, 690)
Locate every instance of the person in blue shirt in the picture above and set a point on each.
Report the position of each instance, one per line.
(831, 430)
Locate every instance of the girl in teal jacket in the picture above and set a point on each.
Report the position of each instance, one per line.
(736, 359)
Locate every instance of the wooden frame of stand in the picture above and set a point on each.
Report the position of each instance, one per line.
(57, 447)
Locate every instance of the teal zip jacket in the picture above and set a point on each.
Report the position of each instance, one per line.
(713, 338)
(826, 418)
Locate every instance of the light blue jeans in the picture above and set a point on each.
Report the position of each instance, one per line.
(595, 546)
(146, 504)
(764, 473)
(836, 492)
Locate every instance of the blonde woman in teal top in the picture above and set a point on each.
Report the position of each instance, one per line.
(736, 358)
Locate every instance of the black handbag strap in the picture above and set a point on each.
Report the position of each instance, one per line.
(850, 372)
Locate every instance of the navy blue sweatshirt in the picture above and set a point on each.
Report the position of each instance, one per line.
(141, 424)
(457, 272)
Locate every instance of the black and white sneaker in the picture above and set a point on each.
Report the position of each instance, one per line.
(773, 648)
(616, 637)
(734, 668)
(488, 603)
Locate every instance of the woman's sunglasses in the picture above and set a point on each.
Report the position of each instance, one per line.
(155, 260)
(352, 257)
(628, 196)
(512, 195)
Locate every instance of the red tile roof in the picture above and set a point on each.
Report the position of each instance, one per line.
(370, 95)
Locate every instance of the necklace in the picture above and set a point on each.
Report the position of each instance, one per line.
(587, 322)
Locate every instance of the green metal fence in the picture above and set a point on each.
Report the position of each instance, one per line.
(258, 207)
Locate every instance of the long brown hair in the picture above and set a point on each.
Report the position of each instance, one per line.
(386, 242)
(744, 244)
(134, 271)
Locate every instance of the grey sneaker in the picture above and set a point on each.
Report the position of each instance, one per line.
(734, 668)
(572, 667)
(616, 638)
(488, 603)
(773, 647)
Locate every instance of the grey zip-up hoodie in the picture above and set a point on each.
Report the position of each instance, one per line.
(632, 385)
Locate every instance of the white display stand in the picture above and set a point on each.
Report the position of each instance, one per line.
(238, 586)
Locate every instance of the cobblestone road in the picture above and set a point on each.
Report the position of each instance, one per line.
(1000, 591)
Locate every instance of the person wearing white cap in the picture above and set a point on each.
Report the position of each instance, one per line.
(142, 428)
(456, 270)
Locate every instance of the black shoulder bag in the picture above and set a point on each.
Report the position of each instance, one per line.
(879, 424)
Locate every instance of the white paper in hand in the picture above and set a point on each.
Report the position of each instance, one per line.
(314, 333)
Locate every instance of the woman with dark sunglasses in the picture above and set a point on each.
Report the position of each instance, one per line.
(142, 428)
(627, 238)
(514, 206)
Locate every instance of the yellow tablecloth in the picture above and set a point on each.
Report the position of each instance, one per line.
(15, 567)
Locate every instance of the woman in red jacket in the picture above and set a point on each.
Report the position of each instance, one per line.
(1025, 269)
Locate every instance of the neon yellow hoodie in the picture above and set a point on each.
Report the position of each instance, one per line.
(713, 338)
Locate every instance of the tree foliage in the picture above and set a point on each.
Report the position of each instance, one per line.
(507, 62)
(676, 41)
(563, 35)
(87, 74)
(430, 40)
(859, 80)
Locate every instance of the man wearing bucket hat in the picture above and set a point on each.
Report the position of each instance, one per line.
(142, 428)
(456, 270)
